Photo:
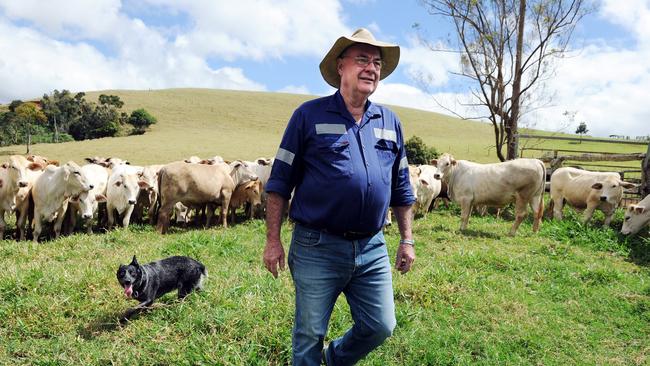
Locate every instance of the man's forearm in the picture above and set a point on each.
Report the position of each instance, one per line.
(275, 206)
(404, 217)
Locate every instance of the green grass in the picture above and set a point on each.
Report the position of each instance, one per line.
(247, 125)
(479, 297)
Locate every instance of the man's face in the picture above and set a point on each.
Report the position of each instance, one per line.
(355, 76)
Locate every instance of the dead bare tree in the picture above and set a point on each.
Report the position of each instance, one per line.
(506, 47)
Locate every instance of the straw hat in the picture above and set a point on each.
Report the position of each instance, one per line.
(389, 54)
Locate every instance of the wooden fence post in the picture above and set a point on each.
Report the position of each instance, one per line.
(645, 174)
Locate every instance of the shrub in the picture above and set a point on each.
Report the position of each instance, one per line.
(140, 119)
(417, 152)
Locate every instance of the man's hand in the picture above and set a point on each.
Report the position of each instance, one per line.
(274, 256)
(405, 258)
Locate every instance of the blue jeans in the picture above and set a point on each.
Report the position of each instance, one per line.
(324, 265)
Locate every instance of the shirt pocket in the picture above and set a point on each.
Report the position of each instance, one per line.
(386, 153)
(335, 152)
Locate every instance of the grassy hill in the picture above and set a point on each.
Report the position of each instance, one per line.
(241, 124)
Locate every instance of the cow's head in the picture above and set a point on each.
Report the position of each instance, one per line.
(636, 217)
(445, 163)
(128, 186)
(241, 172)
(610, 189)
(16, 174)
(75, 179)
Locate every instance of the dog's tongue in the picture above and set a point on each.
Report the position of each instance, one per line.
(128, 290)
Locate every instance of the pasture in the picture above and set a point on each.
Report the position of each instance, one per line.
(571, 294)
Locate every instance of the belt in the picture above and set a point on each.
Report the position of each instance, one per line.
(348, 235)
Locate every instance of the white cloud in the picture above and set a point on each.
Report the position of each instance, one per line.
(35, 62)
(293, 89)
(259, 29)
(423, 65)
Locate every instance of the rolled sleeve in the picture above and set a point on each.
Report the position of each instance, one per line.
(401, 192)
(288, 159)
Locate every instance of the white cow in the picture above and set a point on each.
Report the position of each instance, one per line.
(52, 191)
(87, 204)
(426, 184)
(262, 168)
(14, 176)
(122, 193)
(148, 182)
(587, 190)
(35, 165)
(636, 217)
(520, 181)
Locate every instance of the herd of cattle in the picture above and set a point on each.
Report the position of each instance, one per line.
(40, 191)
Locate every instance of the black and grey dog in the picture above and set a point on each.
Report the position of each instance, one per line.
(152, 280)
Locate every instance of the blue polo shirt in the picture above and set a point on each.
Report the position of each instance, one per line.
(345, 175)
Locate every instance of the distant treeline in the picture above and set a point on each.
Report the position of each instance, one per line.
(62, 116)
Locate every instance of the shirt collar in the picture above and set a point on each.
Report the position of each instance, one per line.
(337, 105)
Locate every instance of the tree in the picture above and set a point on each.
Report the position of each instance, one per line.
(504, 60)
(417, 152)
(27, 115)
(140, 119)
(581, 130)
(62, 109)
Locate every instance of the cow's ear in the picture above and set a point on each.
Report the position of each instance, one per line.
(434, 162)
(53, 162)
(74, 198)
(597, 186)
(639, 209)
(453, 161)
(100, 198)
(631, 208)
(143, 185)
(35, 166)
(66, 172)
(90, 160)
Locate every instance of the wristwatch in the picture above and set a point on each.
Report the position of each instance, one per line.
(410, 242)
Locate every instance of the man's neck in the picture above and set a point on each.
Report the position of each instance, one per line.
(356, 104)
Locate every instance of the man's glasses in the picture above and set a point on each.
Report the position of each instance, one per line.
(364, 61)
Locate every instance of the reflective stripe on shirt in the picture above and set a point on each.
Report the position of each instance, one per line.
(382, 133)
(285, 156)
(330, 128)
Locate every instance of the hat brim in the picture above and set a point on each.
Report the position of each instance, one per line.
(389, 54)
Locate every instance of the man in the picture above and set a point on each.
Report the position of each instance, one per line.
(345, 158)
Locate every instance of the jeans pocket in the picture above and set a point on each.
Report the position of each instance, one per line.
(306, 238)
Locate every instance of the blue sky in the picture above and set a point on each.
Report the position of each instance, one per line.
(277, 45)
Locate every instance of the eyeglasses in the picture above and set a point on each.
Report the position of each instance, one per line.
(364, 61)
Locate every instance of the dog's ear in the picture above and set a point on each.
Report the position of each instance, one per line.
(134, 262)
